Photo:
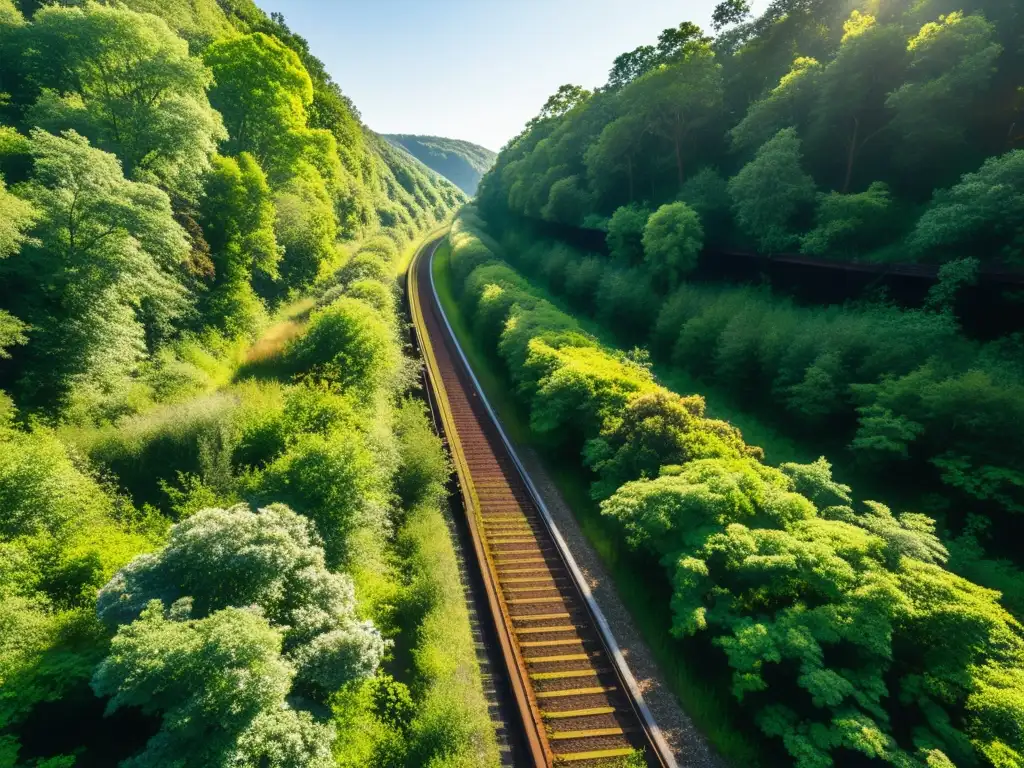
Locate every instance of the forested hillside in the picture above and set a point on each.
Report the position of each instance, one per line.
(881, 131)
(460, 162)
(222, 533)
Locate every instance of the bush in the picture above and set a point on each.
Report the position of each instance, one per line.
(337, 482)
(623, 301)
(625, 234)
(673, 240)
(350, 345)
(707, 193)
(772, 192)
(582, 278)
(851, 225)
(365, 265)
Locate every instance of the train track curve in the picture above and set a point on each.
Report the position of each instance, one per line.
(574, 696)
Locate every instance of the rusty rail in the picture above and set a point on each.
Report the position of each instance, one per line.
(576, 699)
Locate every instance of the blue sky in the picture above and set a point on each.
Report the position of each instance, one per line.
(473, 69)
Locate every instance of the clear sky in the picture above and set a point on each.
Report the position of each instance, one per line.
(474, 69)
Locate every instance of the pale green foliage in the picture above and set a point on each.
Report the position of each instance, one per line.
(219, 684)
(283, 738)
(653, 431)
(16, 217)
(305, 226)
(237, 215)
(952, 61)
(107, 254)
(985, 208)
(672, 241)
(785, 105)
(351, 345)
(625, 234)
(771, 191)
(127, 82)
(850, 225)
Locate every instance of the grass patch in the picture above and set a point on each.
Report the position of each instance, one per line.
(702, 693)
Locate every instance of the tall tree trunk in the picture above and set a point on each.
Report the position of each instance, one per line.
(851, 155)
(679, 160)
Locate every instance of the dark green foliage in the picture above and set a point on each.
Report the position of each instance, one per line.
(851, 224)
(907, 94)
(625, 234)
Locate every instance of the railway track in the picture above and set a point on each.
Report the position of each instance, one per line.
(575, 699)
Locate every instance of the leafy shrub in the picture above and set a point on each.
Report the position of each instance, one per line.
(771, 192)
(707, 193)
(983, 211)
(582, 279)
(365, 265)
(673, 240)
(851, 225)
(625, 234)
(352, 346)
(336, 481)
(623, 300)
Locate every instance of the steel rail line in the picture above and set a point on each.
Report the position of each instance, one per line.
(576, 699)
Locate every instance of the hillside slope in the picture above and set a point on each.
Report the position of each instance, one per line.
(458, 161)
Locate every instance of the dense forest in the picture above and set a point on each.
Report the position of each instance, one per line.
(461, 162)
(883, 131)
(222, 518)
(855, 632)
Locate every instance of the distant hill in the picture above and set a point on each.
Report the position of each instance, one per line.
(460, 162)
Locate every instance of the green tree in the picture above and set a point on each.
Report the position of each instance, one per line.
(771, 191)
(952, 62)
(984, 212)
(676, 100)
(707, 193)
(627, 67)
(562, 102)
(127, 82)
(237, 215)
(851, 225)
(218, 683)
(626, 233)
(263, 91)
(305, 226)
(616, 150)
(101, 276)
(568, 202)
(350, 345)
(730, 12)
(672, 241)
(274, 559)
(16, 217)
(788, 105)
(851, 110)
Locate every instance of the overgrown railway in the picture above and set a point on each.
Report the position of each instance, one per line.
(575, 699)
